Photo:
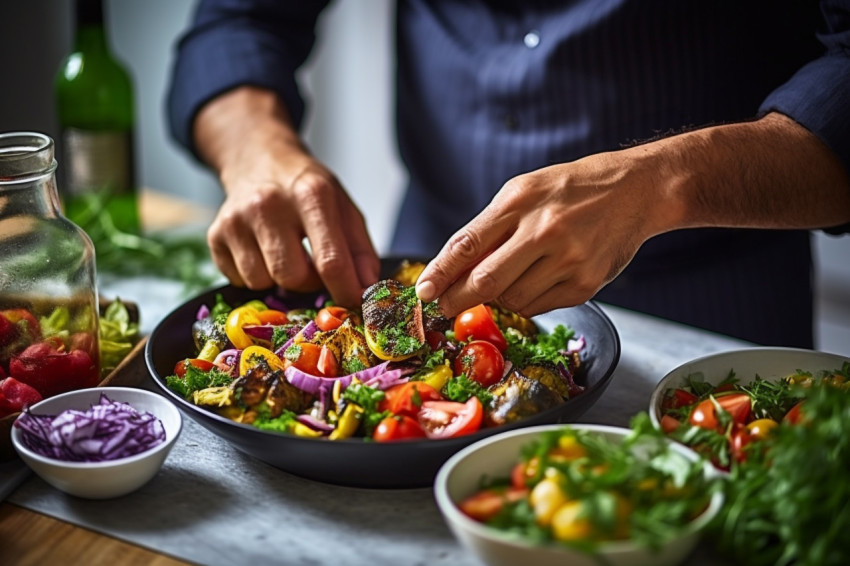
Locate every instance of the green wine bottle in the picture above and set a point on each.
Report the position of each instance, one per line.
(95, 105)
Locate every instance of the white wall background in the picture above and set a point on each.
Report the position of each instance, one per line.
(349, 123)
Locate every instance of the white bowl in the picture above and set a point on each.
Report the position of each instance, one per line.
(108, 479)
(771, 364)
(460, 477)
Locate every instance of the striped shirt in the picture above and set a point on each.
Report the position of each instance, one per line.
(487, 90)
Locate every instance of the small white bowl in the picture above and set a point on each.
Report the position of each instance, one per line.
(108, 479)
(495, 456)
(770, 363)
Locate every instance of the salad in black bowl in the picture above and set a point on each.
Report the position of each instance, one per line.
(380, 396)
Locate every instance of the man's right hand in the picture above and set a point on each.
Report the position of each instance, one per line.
(278, 194)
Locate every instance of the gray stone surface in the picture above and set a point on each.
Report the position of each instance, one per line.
(213, 505)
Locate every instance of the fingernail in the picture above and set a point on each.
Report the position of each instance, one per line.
(426, 291)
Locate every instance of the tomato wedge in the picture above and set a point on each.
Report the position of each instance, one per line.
(738, 405)
(486, 504)
(449, 419)
(327, 363)
(407, 398)
(331, 318)
(273, 317)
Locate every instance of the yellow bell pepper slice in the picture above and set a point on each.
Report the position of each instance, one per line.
(238, 318)
(252, 355)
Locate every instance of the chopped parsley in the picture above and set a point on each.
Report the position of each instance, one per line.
(282, 423)
(460, 388)
(197, 379)
(534, 350)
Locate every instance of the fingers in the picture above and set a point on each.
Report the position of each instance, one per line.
(335, 239)
(462, 273)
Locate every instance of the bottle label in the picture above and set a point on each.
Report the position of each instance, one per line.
(98, 162)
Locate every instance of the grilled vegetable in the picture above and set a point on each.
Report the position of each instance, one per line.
(392, 318)
(517, 397)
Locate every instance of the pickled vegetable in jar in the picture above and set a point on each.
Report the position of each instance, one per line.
(48, 292)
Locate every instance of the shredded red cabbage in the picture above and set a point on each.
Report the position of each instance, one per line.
(107, 431)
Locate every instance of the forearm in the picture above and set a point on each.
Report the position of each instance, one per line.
(770, 173)
(246, 134)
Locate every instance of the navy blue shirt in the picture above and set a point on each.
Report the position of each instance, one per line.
(487, 90)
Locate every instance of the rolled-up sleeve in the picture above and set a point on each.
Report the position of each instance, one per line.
(818, 95)
(232, 43)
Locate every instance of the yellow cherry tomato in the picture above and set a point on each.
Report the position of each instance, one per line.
(568, 522)
(759, 429)
(546, 498)
(236, 320)
(252, 355)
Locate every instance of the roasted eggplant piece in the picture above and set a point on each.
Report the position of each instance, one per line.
(517, 397)
(548, 375)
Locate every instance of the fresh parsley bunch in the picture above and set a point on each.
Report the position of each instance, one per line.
(789, 502)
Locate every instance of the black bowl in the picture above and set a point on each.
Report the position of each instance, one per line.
(353, 462)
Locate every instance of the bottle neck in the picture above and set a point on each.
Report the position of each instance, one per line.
(91, 31)
(27, 175)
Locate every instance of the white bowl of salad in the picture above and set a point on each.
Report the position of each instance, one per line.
(722, 403)
(98, 443)
(578, 494)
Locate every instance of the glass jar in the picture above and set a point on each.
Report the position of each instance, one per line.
(48, 291)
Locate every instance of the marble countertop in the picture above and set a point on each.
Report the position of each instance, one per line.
(211, 504)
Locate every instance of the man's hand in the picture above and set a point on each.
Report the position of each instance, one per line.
(278, 195)
(554, 237)
(549, 238)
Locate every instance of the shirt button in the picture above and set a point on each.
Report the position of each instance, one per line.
(510, 122)
(531, 39)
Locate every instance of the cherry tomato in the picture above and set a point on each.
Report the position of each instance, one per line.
(738, 442)
(399, 427)
(477, 324)
(760, 429)
(305, 357)
(738, 405)
(273, 317)
(238, 318)
(678, 398)
(448, 419)
(407, 398)
(331, 318)
(253, 354)
(481, 361)
(793, 416)
(180, 367)
(327, 363)
(486, 504)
